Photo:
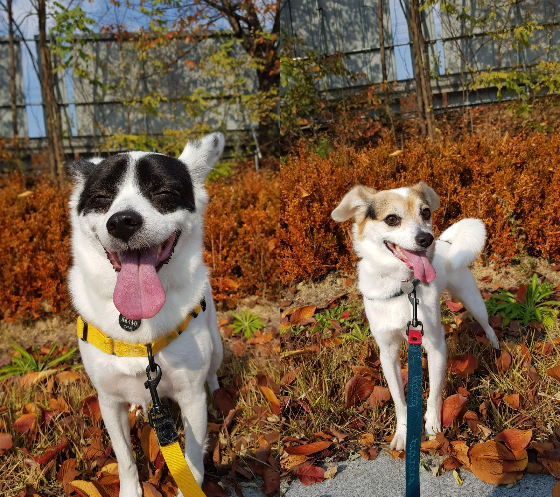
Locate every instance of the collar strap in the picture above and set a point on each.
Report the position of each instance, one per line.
(414, 282)
(89, 333)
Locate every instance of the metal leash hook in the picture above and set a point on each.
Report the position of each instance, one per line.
(159, 415)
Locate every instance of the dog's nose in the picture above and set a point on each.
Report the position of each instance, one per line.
(424, 239)
(124, 224)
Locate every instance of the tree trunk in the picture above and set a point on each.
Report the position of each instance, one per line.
(384, 63)
(417, 56)
(429, 101)
(50, 106)
(268, 133)
(12, 71)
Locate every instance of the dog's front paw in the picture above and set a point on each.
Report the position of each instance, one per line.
(399, 440)
(130, 488)
(433, 425)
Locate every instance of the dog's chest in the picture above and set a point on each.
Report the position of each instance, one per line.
(184, 364)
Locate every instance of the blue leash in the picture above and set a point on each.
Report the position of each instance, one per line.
(414, 398)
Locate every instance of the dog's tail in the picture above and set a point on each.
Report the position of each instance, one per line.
(466, 240)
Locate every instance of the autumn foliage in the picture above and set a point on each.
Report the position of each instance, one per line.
(512, 184)
(240, 242)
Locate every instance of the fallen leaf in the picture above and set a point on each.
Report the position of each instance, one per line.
(307, 449)
(25, 423)
(289, 377)
(486, 279)
(51, 453)
(379, 396)
(452, 406)
(450, 463)
(512, 401)
(503, 361)
(554, 372)
(224, 400)
(457, 477)
(556, 490)
(308, 474)
(462, 365)
(396, 454)
(66, 377)
(109, 474)
(90, 408)
(430, 445)
(357, 389)
(271, 481)
(367, 440)
(330, 472)
(292, 460)
(515, 439)
(211, 490)
(67, 473)
(5, 442)
(267, 337)
(272, 400)
(149, 443)
(454, 306)
(521, 293)
(85, 488)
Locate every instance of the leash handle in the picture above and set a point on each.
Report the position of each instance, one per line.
(414, 400)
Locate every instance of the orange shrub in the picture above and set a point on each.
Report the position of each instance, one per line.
(241, 223)
(34, 249)
(241, 235)
(513, 185)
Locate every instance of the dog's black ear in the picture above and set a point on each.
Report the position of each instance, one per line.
(80, 168)
(355, 201)
(429, 194)
(201, 156)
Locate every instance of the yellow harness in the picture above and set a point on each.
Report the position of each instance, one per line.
(171, 451)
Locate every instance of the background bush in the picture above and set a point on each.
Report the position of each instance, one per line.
(512, 184)
(240, 242)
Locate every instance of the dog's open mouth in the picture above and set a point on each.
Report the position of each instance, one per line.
(417, 261)
(139, 293)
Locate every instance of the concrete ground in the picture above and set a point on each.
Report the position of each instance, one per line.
(385, 477)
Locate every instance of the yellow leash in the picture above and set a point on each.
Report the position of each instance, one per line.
(159, 415)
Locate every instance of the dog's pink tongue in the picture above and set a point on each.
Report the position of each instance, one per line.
(423, 270)
(138, 293)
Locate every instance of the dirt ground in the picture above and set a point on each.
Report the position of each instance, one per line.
(57, 329)
(321, 292)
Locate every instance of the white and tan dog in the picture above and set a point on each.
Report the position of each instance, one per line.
(393, 238)
(137, 272)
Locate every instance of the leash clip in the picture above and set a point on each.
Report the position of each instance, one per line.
(414, 335)
(159, 415)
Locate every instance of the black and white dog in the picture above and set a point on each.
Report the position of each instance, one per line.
(137, 273)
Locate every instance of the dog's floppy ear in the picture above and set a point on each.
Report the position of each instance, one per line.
(354, 201)
(201, 156)
(429, 194)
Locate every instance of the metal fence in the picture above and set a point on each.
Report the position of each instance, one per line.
(457, 49)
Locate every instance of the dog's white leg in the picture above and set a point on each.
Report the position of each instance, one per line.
(217, 351)
(462, 285)
(193, 413)
(389, 357)
(434, 344)
(115, 416)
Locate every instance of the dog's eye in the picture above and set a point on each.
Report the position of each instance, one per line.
(425, 212)
(101, 197)
(165, 193)
(392, 220)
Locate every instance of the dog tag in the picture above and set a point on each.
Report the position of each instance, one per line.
(129, 324)
(407, 286)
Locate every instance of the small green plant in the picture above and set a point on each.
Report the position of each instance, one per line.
(534, 308)
(246, 323)
(221, 170)
(26, 363)
(357, 334)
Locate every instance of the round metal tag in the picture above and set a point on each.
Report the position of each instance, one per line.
(407, 286)
(129, 324)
